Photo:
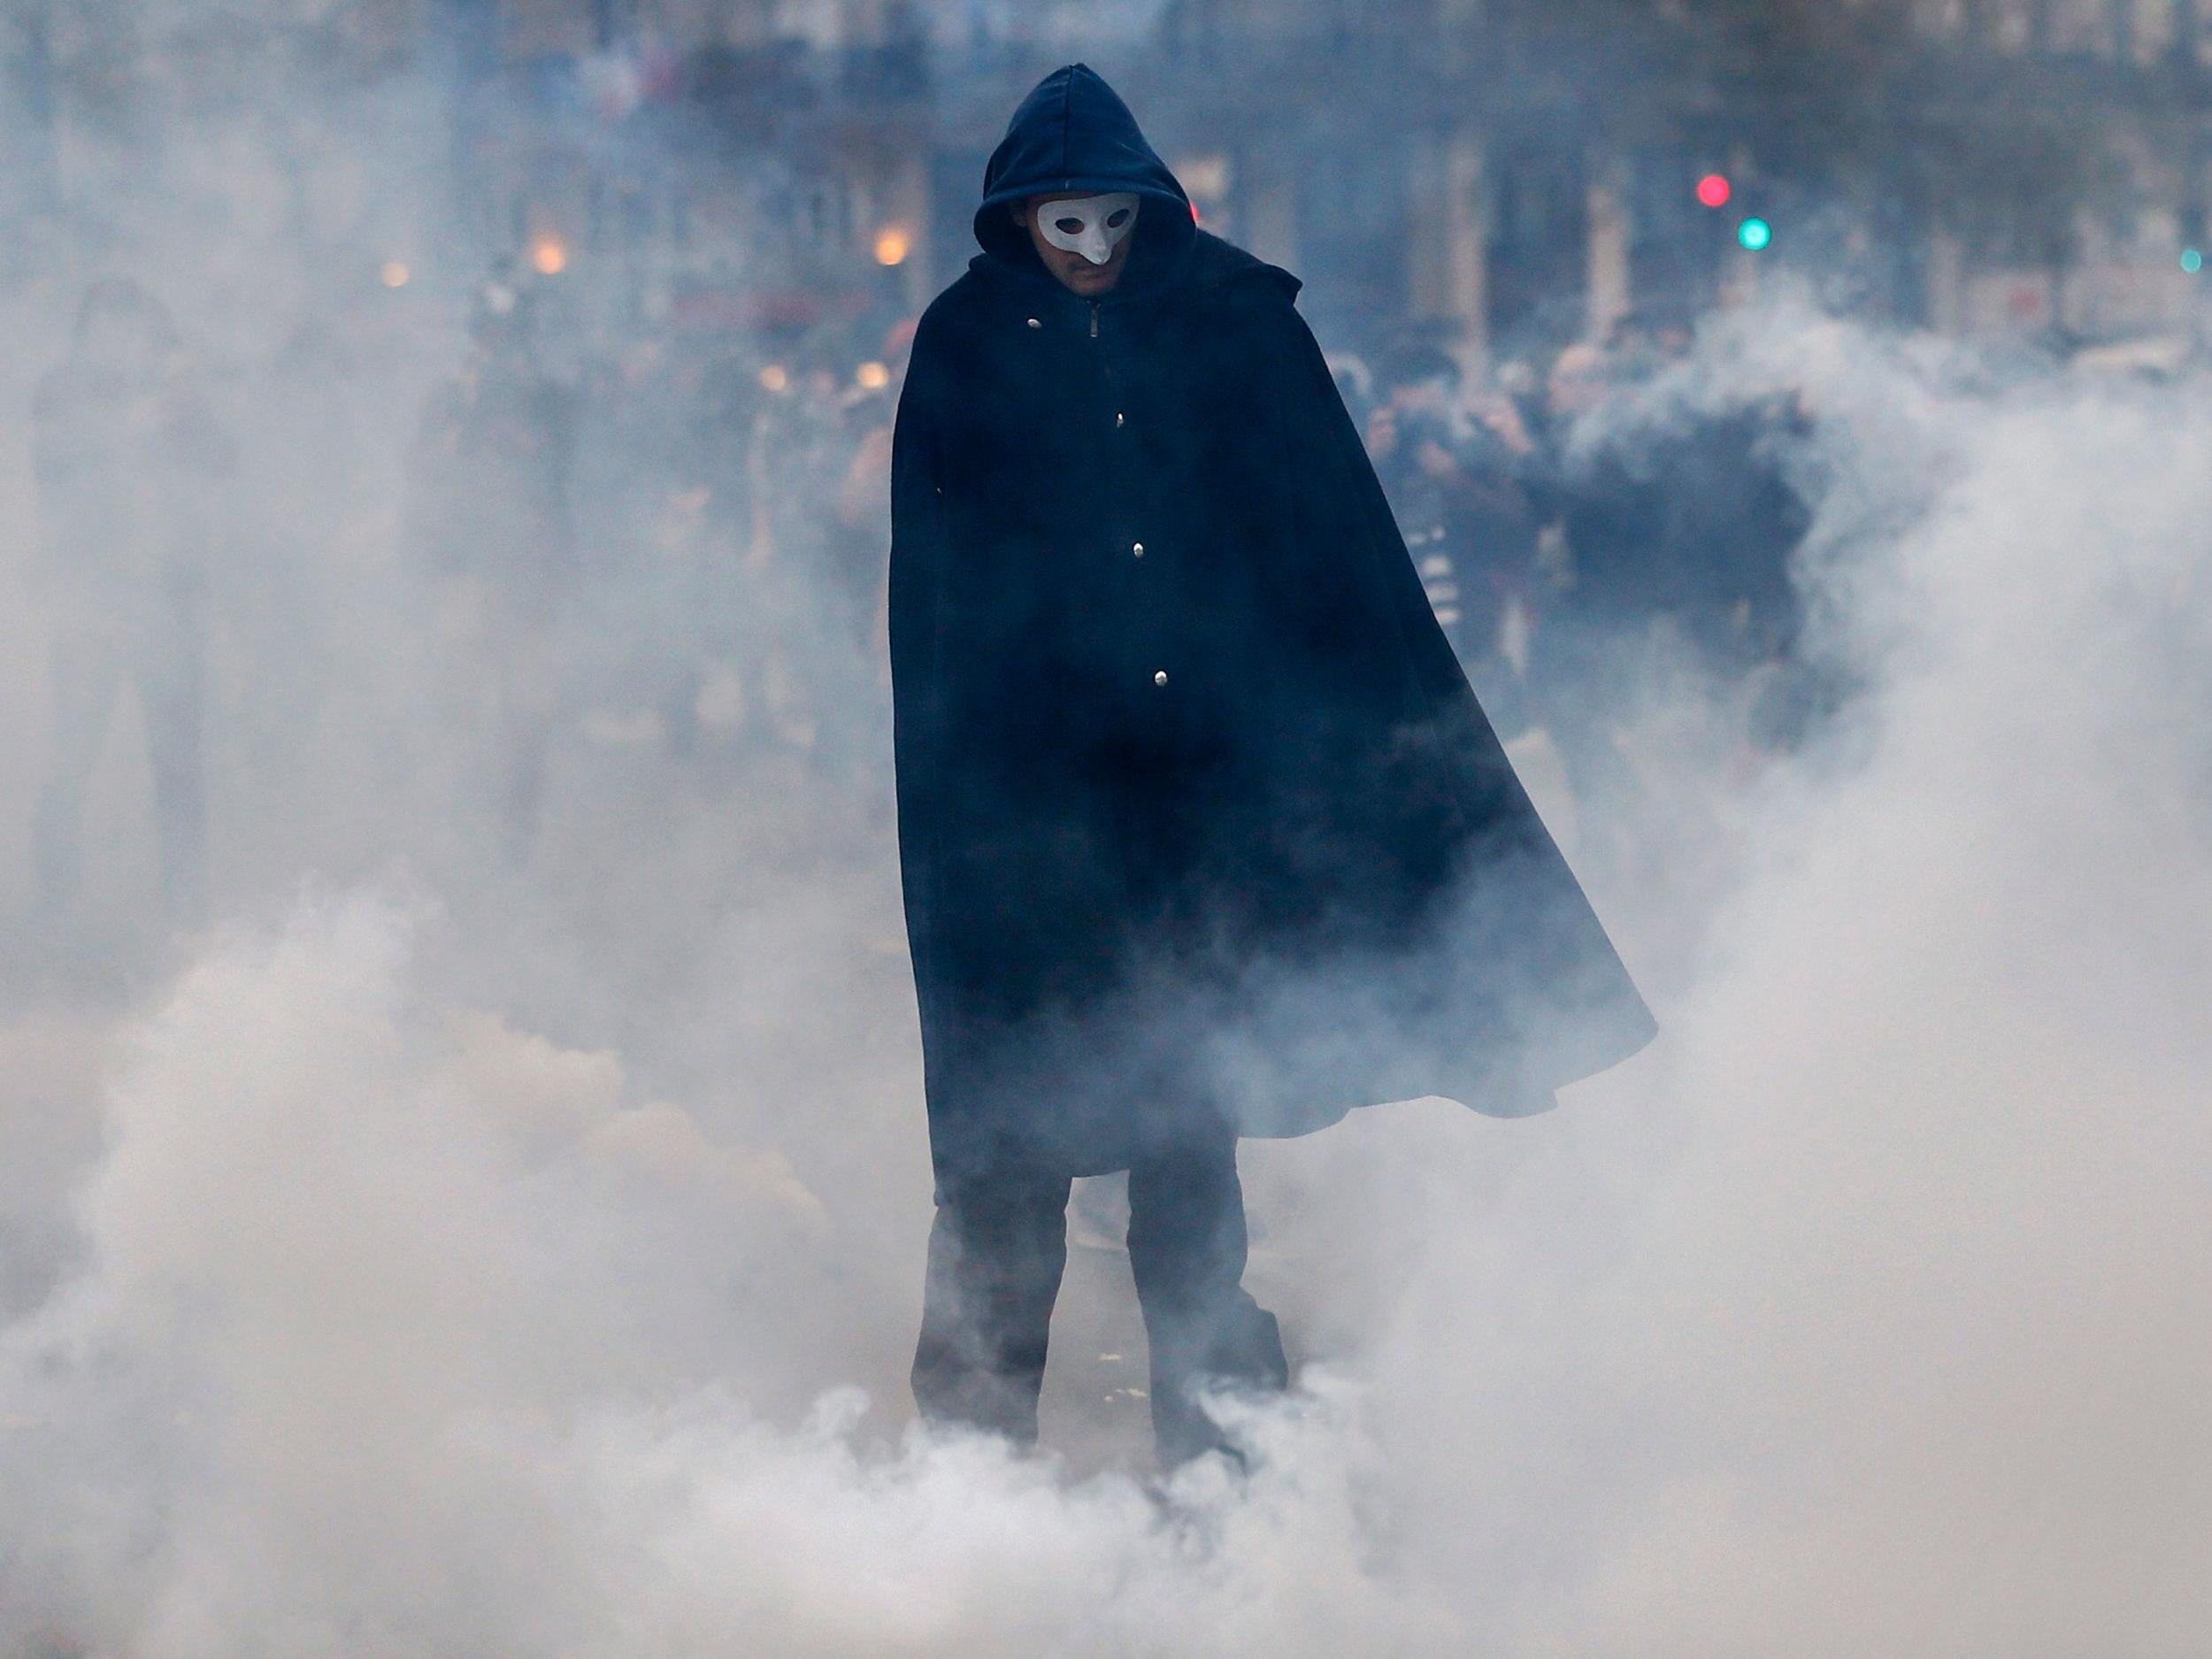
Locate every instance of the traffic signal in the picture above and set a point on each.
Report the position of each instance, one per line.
(1716, 190)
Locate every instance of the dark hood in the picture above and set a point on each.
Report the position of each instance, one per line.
(1074, 133)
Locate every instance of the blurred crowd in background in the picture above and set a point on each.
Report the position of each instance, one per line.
(685, 549)
(506, 385)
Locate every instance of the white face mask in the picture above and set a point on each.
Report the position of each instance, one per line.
(1089, 224)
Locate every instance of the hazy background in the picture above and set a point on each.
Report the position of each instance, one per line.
(470, 1229)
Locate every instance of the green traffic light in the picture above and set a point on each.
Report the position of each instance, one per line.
(1754, 233)
(2192, 260)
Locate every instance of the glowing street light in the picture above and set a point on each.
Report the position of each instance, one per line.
(872, 376)
(548, 257)
(775, 377)
(893, 245)
(394, 274)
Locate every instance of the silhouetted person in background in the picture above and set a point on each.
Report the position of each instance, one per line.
(1606, 504)
(127, 461)
(1677, 526)
(1201, 830)
(1455, 484)
(491, 513)
(1732, 520)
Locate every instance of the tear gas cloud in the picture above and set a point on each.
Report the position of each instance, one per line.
(448, 1249)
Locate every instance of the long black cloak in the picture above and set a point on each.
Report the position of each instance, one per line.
(1197, 810)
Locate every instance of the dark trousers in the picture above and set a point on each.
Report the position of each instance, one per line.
(995, 1255)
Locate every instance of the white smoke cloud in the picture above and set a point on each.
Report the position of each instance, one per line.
(537, 1270)
(1867, 1313)
(363, 1304)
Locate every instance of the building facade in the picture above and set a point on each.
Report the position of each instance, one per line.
(1498, 175)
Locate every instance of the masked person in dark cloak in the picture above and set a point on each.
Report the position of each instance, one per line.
(1202, 832)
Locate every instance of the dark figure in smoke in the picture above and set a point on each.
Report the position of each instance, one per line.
(129, 463)
(1678, 531)
(1455, 488)
(490, 510)
(1203, 832)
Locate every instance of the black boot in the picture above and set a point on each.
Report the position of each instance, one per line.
(996, 1253)
(1187, 1245)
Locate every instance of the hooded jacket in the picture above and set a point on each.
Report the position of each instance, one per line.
(1073, 134)
(1196, 811)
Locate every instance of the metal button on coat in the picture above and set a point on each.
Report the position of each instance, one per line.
(1160, 677)
(1035, 323)
(1138, 548)
(1119, 418)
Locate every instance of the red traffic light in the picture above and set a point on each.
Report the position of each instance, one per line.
(1713, 191)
